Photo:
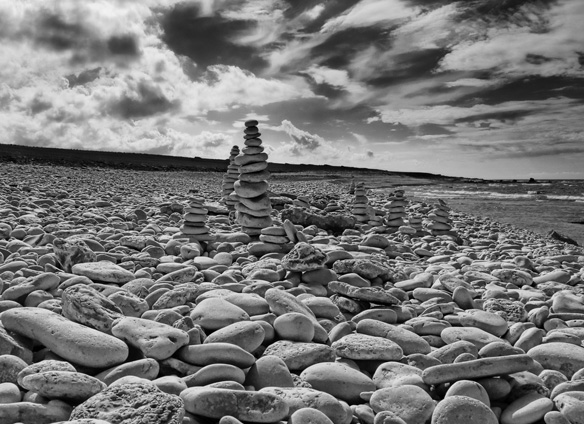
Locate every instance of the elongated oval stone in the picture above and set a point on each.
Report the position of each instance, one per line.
(478, 368)
(256, 407)
(73, 342)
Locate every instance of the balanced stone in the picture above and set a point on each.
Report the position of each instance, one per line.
(70, 340)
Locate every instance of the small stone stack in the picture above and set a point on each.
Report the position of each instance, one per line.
(375, 216)
(352, 186)
(302, 202)
(254, 206)
(195, 221)
(274, 235)
(415, 221)
(229, 179)
(396, 211)
(440, 222)
(360, 204)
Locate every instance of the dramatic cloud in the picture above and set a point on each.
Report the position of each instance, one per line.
(478, 88)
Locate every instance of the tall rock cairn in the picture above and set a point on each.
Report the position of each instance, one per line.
(230, 178)
(254, 206)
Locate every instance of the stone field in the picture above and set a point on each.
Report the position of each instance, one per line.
(185, 297)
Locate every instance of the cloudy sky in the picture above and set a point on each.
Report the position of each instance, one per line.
(477, 88)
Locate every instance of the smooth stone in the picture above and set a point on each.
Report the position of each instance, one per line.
(528, 409)
(132, 403)
(463, 410)
(215, 373)
(72, 341)
(9, 393)
(155, 340)
(447, 354)
(480, 338)
(147, 368)
(295, 327)
(103, 271)
(269, 371)
(301, 397)
(210, 353)
(487, 321)
(478, 368)
(44, 366)
(214, 313)
(248, 335)
(73, 386)
(395, 374)
(246, 220)
(410, 403)
(281, 302)
(309, 416)
(297, 356)
(407, 340)
(564, 357)
(250, 190)
(365, 347)
(251, 406)
(339, 380)
(469, 388)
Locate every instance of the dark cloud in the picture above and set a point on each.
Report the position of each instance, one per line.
(529, 88)
(408, 66)
(83, 77)
(536, 59)
(146, 99)
(53, 32)
(207, 39)
(525, 152)
(123, 45)
(370, 154)
(39, 104)
(509, 116)
(432, 129)
(338, 50)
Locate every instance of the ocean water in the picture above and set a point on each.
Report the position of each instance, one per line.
(538, 207)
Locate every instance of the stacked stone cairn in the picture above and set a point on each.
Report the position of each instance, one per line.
(302, 202)
(376, 216)
(360, 204)
(254, 206)
(439, 217)
(415, 221)
(352, 186)
(195, 221)
(229, 179)
(396, 211)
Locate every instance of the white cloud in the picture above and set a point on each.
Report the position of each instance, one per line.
(370, 12)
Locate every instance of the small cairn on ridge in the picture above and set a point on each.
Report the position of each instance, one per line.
(359, 209)
(195, 221)
(229, 179)
(254, 206)
(396, 211)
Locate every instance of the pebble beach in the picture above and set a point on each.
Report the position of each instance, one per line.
(140, 297)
